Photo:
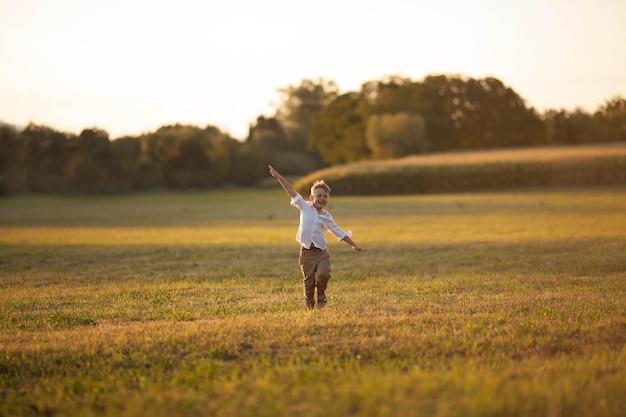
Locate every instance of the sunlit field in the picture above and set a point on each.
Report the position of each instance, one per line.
(601, 164)
(190, 304)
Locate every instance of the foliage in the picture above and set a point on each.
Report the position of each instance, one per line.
(612, 116)
(396, 135)
(40, 159)
(314, 126)
(459, 113)
(338, 131)
(577, 127)
(273, 147)
(299, 104)
(175, 304)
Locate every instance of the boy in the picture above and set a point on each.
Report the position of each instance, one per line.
(314, 220)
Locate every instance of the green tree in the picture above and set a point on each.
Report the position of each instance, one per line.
(436, 92)
(188, 156)
(150, 172)
(44, 156)
(127, 152)
(458, 113)
(12, 175)
(268, 133)
(569, 128)
(612, 116)
(222, 153)
(482, 113)
(396, 135)
(272, 145)
(184, 154)
(188, 164)
(392, 95)
(93, 167)
(247, 164)
(338, 131)
(299, 104)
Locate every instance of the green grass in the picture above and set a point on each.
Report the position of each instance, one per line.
(165, 304)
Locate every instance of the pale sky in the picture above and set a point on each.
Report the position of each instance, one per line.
(132, 66)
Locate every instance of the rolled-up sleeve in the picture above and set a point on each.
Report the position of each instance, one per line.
(297, 201)
(337, 231)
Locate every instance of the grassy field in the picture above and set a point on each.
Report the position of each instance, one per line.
(483, 304)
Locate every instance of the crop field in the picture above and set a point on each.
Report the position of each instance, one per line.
(599, 164)
(190, 304)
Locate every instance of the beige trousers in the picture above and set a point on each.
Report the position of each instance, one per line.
(315, 266)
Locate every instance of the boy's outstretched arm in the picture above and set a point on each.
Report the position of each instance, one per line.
(283, 182)
(352, 243)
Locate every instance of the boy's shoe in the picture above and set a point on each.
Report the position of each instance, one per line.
(310, 304)
(321, 302)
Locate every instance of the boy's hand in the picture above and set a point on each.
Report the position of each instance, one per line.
(283, 182)
(359, 249)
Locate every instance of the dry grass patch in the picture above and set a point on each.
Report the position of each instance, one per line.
(464, 305)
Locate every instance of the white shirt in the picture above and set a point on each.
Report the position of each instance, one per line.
(314, 224)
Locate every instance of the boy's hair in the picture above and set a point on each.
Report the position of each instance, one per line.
(320, 184)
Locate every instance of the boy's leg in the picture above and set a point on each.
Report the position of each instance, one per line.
(307, 266)
(322, 273)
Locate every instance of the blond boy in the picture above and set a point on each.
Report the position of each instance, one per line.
(314, 221)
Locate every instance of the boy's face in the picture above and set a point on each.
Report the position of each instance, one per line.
(320, 198)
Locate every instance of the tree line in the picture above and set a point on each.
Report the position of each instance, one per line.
(314, 126)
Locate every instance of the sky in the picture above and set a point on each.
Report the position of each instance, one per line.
(132, 66)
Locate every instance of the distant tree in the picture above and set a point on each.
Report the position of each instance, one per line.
(483, 113)
(12, 176)
(458, 113)
(570, 128)
(503, 116)
(95, 142)
(338, 131)
(127, 152)
(44, 156)
(150, 173)
(268, 132)
(612, 116)
(393, 94)
(85, 176)
(247, 165)
(313, 125)
(240, 162)
(188, 164)
(407, 100)
(272, 145)
(188, 156)
(396, 135)
(183, 153)
(93, 167)
(221, 153)
(437, 93)
(299, 104)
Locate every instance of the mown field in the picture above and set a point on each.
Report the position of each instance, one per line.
(465, 304)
